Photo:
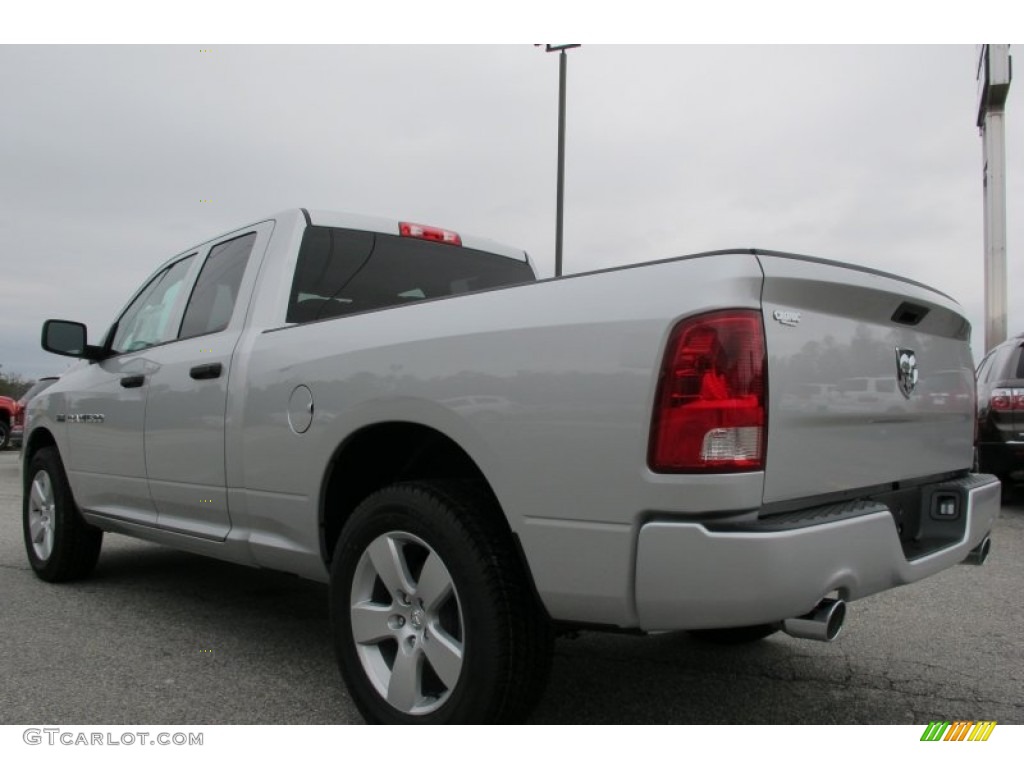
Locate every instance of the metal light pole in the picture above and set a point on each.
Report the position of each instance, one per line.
(562, 65)
(993, 85)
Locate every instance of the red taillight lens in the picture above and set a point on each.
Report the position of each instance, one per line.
(438, 235)
(709, 414)
(1007, 400)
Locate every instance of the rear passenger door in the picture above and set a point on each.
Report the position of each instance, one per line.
(187, 401)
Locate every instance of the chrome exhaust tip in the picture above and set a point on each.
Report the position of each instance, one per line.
(979, 554)
(823, 623)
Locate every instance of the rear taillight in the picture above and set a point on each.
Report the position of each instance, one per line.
(1005, 399)
(709, 413)
(436, 234)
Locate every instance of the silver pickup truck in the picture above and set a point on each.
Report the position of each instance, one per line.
(474, 459)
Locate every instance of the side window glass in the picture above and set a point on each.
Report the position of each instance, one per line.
(145, 321)
(213, 298)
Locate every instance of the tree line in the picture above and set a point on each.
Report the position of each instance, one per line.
(14, 385)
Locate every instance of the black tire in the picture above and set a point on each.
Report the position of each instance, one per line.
(5, 434)
(735, 635)
(60, 545)
(479, 655)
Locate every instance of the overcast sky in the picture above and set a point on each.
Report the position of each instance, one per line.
(865, 154)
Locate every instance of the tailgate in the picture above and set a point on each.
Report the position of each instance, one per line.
(841, 415)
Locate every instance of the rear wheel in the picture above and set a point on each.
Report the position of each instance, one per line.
(5, 434)
(432, 616)
(735, 635)
(60, 545)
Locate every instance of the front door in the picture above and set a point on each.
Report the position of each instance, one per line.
(105, 404)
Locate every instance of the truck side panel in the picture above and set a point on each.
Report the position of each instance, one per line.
(549, 389)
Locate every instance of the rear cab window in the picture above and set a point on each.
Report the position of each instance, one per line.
(342, 271)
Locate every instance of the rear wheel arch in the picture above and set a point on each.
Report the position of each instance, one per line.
(383, 454)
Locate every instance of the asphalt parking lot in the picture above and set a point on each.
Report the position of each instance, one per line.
(161, 637)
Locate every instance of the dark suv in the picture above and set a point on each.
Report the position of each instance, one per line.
(1001, 409)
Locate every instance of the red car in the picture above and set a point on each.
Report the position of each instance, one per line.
(17, 422)
(8, 412)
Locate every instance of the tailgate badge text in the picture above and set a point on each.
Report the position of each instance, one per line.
(786, 317)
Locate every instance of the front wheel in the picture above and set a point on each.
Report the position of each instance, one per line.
(432, 616)
(60, 545)
(5, 434)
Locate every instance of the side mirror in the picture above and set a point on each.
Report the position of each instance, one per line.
(68, 338)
